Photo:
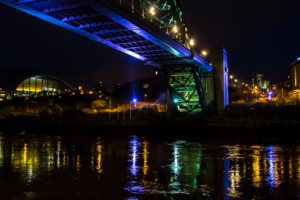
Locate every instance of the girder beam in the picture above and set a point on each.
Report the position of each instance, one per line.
(120, 37)
(156, 54)
(141, 46)
(63, 7)
(97, 24)
(79, 17)
(130, 42)
(110, 31)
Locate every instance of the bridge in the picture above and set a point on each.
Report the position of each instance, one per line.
(154, 31)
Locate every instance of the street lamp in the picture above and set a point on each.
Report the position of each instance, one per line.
(235, 80)
(231, 76)
(192, 42)
(134, 100)
(204, 53)
(152, 11)
(175, 29)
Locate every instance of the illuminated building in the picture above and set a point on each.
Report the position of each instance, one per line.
(281, 87)
(25, 83)
(257, 79)
(295, 76)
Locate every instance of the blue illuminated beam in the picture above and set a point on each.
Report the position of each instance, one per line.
(60, 23)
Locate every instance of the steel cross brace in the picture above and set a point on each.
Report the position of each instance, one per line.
(185, 85)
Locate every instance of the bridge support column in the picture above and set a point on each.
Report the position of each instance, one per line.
(185, 88)
(219, 62)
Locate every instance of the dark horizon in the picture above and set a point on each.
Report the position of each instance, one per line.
(260, 37)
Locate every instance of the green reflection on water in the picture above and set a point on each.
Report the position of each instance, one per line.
(185, 167)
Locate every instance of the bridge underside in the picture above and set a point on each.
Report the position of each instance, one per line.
(111, 23)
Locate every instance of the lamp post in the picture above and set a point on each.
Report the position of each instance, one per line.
(130, 110)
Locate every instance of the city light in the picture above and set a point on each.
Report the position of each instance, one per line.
(79, 88)
(204, 53)
(243, 83)
(134, 100)
(235, 80)
(192, 42)
(298, 58)
(175, 100)
(175, 29)
(246, 85)
(152, 11)
(231, 77)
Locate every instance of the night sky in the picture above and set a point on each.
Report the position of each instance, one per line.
(261, 36)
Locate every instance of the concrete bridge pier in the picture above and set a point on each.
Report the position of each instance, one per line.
(220, 65)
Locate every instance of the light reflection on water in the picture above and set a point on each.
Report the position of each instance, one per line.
(144, 169)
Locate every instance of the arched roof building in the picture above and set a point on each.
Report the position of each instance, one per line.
(22, 82)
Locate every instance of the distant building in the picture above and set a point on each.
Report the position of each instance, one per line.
(295, 75)
(266, 83)
(281, 87)
(257, 79)
(26, 83)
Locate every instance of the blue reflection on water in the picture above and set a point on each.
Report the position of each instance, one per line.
(226, 178)
(273, 177)
(134, 187)
(134, 144)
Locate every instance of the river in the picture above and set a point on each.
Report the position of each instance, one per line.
(96, 166)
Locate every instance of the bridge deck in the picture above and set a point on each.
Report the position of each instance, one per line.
(113, 25)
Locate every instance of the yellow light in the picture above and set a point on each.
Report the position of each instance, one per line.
(204, 53)
(246, 85)
(175, 29)
(243, 83)
(156, 72)
(235, 80)
(145, 95)
(192, 42)
(152, 11)
(79, 87)
(231, 77)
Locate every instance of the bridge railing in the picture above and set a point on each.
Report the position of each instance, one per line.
(159, 13)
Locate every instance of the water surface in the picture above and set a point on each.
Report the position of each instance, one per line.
(93, 166)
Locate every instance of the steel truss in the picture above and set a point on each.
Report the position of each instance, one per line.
(168, 15)
(185, 86)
